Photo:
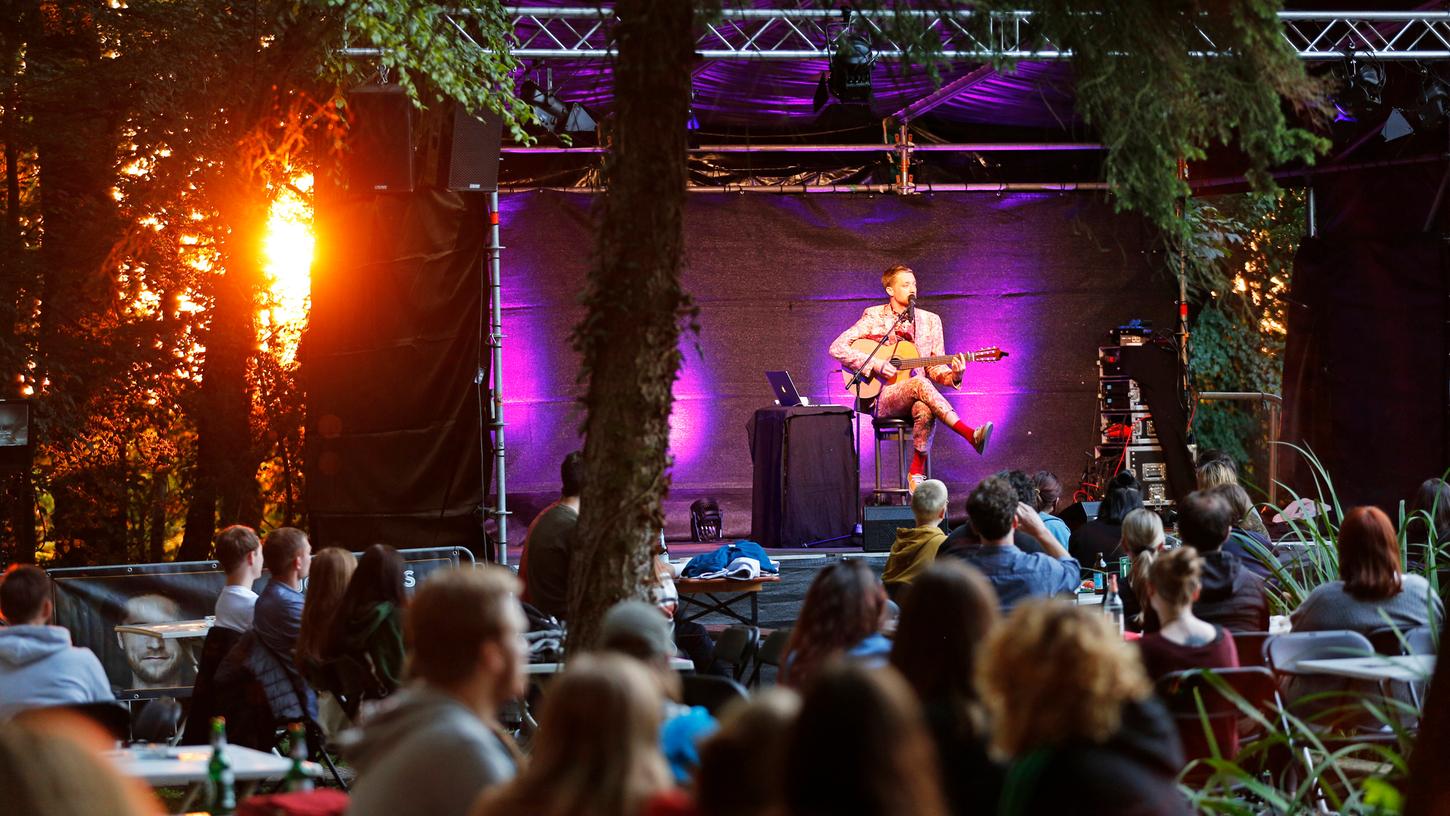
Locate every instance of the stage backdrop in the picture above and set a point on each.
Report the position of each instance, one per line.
(778, 277)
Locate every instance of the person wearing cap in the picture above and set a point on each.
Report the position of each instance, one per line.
(637, 629)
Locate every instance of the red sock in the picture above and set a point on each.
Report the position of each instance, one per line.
(961, 427)
(918, 464)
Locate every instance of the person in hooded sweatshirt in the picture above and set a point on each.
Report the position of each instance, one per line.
(1232, 596)
(367, 628)
(38, 665)
(433, 747)
(915, 548)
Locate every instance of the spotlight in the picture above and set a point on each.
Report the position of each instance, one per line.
(1434, 100)
(553, 113)
(849, 77)
(1364, 85)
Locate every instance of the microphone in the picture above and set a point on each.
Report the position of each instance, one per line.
(911, 309)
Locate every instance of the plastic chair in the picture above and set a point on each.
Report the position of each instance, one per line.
(736, 646)
(1324, 701)
(1181, 692)
(712, 692)
(1283, 652)
(769, 653)
(1420, 641)
(1250, 646)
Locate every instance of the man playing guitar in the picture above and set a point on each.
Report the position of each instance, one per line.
(913, 396)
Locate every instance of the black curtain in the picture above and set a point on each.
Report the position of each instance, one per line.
(1365, 370)
(389, 362)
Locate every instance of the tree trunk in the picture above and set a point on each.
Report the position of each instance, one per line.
(224, 483)
(628, 338)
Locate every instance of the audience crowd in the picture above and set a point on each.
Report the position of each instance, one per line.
(966, 679)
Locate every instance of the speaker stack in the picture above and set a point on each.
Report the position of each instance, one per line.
(392, 147)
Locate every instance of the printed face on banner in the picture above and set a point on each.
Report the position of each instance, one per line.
(155, 662)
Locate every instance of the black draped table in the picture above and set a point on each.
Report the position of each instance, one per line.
(805, 486)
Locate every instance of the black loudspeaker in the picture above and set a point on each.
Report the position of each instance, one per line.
(379, 155)
(469, 151)
(1077, 514)
(878, 529)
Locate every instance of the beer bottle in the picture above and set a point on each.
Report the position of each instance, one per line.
(219, 775)
(297, 777)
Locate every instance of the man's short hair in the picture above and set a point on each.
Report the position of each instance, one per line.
(1204, 519)
(637, 629)
(928, 500)
(991, 507)
(890, 274)
(1023, 485)
(282, 546)
(571, 473)
(452, 615)
(233, 544)
(23, 591)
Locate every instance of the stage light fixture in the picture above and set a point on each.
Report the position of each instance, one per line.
(1396, 126)
(1434, 100)
(851, 64)
(1364, 85)
(554, 114)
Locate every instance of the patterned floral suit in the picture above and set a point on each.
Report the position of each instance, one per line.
(914, 396)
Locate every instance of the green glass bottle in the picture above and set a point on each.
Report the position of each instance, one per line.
(297, 777)
(220, 778)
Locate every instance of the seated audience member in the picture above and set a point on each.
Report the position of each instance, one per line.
(1249, 545)
(1183, 641)
(1142, 533)
(860, 746)
(597, 749)
(690, 637)
(434, 746)
(239, 552)
(841, 614)
(38, 665)
(1220, 469)
(636, 629)
(1049, 493)
(1232, 595)
(544, 564)
(1073, 711)
(996, 512)
(944, 621)
(332, 567)
(54, 764)
(1371, 593)
(964, 539)
(742, 767)
(1427, 523)
(915, 547)
(278, 613)
(367, 628)
(1101, 539)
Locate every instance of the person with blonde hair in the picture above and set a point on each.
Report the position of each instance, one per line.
(332, 568)
(1072, 711)
(1222, 470)
(597, 750)
(435, 745)
(1142, 539)
(861, 746)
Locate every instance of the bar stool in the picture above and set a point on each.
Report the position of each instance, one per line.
(899, 431)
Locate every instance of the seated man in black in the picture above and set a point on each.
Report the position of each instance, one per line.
(1232, 596)
(964, 539)
(544, 565)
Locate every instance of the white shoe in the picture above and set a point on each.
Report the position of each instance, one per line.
(913, 481)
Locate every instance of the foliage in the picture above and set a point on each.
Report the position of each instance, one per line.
(1238, 263)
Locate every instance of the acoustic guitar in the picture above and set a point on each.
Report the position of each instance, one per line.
(902, 355)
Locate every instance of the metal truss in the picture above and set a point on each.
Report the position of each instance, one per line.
(794, 34)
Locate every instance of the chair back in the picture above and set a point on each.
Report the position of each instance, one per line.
(158, 720)
(711, 691)
(219, 640)
(736, 647)
(1283, 652)
(1420, 641)
(770, 652)
(1250, 646)
(1182, 691)
(113, 717)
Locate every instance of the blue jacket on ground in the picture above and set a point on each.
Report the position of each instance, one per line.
(720, 558)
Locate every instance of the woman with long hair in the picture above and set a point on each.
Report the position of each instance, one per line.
(1371, 593)
(841, 615)
(1072, 711)
(1142, 539)
(332, 568)
(1427, 519)
(742, 767)
(367, 629)
(944, 621)
(860, 746)
(597, 750)
(1220, 470)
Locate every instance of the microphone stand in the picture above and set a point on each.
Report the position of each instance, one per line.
(851, 384)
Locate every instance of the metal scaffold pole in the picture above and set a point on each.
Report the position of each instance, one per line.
(499, 511)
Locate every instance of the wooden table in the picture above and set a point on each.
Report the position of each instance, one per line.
(722, 595)
(676, 663)
(187, 765)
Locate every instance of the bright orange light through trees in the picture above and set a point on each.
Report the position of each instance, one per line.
(288, 252)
